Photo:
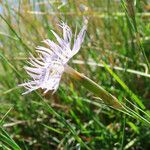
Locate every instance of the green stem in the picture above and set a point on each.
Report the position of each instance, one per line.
(94, 88)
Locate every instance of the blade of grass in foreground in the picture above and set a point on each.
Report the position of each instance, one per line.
(4, 137)
(125, 87)
(52, 129)
(1, 121)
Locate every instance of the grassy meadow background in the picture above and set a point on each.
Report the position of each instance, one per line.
(73, 118)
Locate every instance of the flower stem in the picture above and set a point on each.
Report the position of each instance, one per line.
(94, 88)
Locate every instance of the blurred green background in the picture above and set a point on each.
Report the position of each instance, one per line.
(118, 34)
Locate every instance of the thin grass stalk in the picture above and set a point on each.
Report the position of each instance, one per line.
(132, 95)
(123, 132)
(135, 31)
(136, 115)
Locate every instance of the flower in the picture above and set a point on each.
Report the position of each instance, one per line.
(46, 72)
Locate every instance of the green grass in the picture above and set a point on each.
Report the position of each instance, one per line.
(74, 118)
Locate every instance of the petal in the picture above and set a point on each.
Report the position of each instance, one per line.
(34, 76)
(79, 40)
(34, 70)
(56, 49)
(60, 40)
(36, 60)
(34, 64)
(47, 50)
(67, 33)
(64, 45)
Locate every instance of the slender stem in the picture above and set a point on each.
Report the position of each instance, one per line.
(94, 88)
(123, 132)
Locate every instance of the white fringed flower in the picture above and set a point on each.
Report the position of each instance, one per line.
(46, 72)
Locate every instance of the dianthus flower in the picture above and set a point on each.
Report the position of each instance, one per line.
(47, 71)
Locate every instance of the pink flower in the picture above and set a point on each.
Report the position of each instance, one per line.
(46, 72)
